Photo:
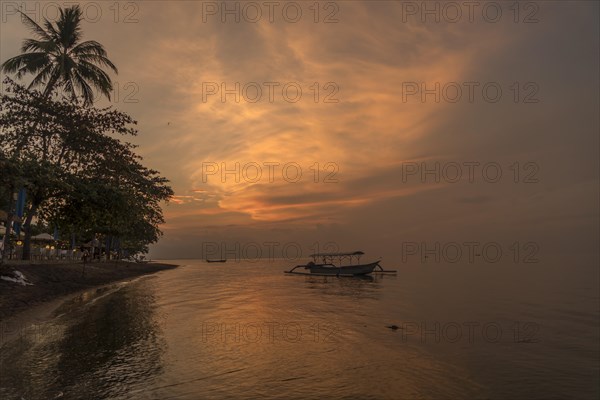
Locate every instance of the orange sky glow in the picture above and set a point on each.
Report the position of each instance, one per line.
(354, 131)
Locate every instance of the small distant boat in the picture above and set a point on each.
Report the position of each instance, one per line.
(215, 261)
(328, 267)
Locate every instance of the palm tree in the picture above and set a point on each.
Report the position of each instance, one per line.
(58, 59)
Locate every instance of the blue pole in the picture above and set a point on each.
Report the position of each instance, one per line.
(20, 209)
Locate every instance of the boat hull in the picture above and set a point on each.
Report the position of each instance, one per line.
(329, 269)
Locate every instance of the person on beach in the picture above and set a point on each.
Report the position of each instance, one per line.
(85, 256)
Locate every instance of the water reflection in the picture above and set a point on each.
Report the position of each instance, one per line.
(89, 352)
(358, 287)
(236, 334)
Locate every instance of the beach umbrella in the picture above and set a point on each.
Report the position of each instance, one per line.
(43, 236)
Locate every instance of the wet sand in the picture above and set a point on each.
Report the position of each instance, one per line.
(54, 281)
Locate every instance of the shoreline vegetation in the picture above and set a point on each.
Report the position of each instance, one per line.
(72, 185)
(69, 174)
(51, 281)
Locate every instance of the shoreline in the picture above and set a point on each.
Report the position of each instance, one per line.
(55, 281)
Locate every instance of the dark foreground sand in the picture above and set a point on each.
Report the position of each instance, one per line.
(51, 281)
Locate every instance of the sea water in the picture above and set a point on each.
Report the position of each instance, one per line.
(246, 330)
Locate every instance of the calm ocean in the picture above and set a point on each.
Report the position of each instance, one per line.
(245, 330)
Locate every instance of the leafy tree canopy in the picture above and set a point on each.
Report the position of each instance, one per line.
(78, 171)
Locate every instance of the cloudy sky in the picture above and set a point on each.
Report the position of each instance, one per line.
(366, 124)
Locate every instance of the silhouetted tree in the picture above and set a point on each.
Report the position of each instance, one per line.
(58, 59)
(76, 168)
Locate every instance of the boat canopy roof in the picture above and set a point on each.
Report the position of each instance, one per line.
(350, 254)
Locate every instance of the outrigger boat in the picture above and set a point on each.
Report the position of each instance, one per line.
(327, 267)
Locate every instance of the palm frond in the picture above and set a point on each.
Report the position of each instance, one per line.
(42, 76)
(34, 27)
(25, 63)
(69, 26)
(96, 76)
(51, 30)
(89, 47)
(12, 65)
(86, 91)
(47, 46)
(98, 60)
(69, 88)
(52, 82)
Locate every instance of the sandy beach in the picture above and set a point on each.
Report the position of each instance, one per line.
(53, 281)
